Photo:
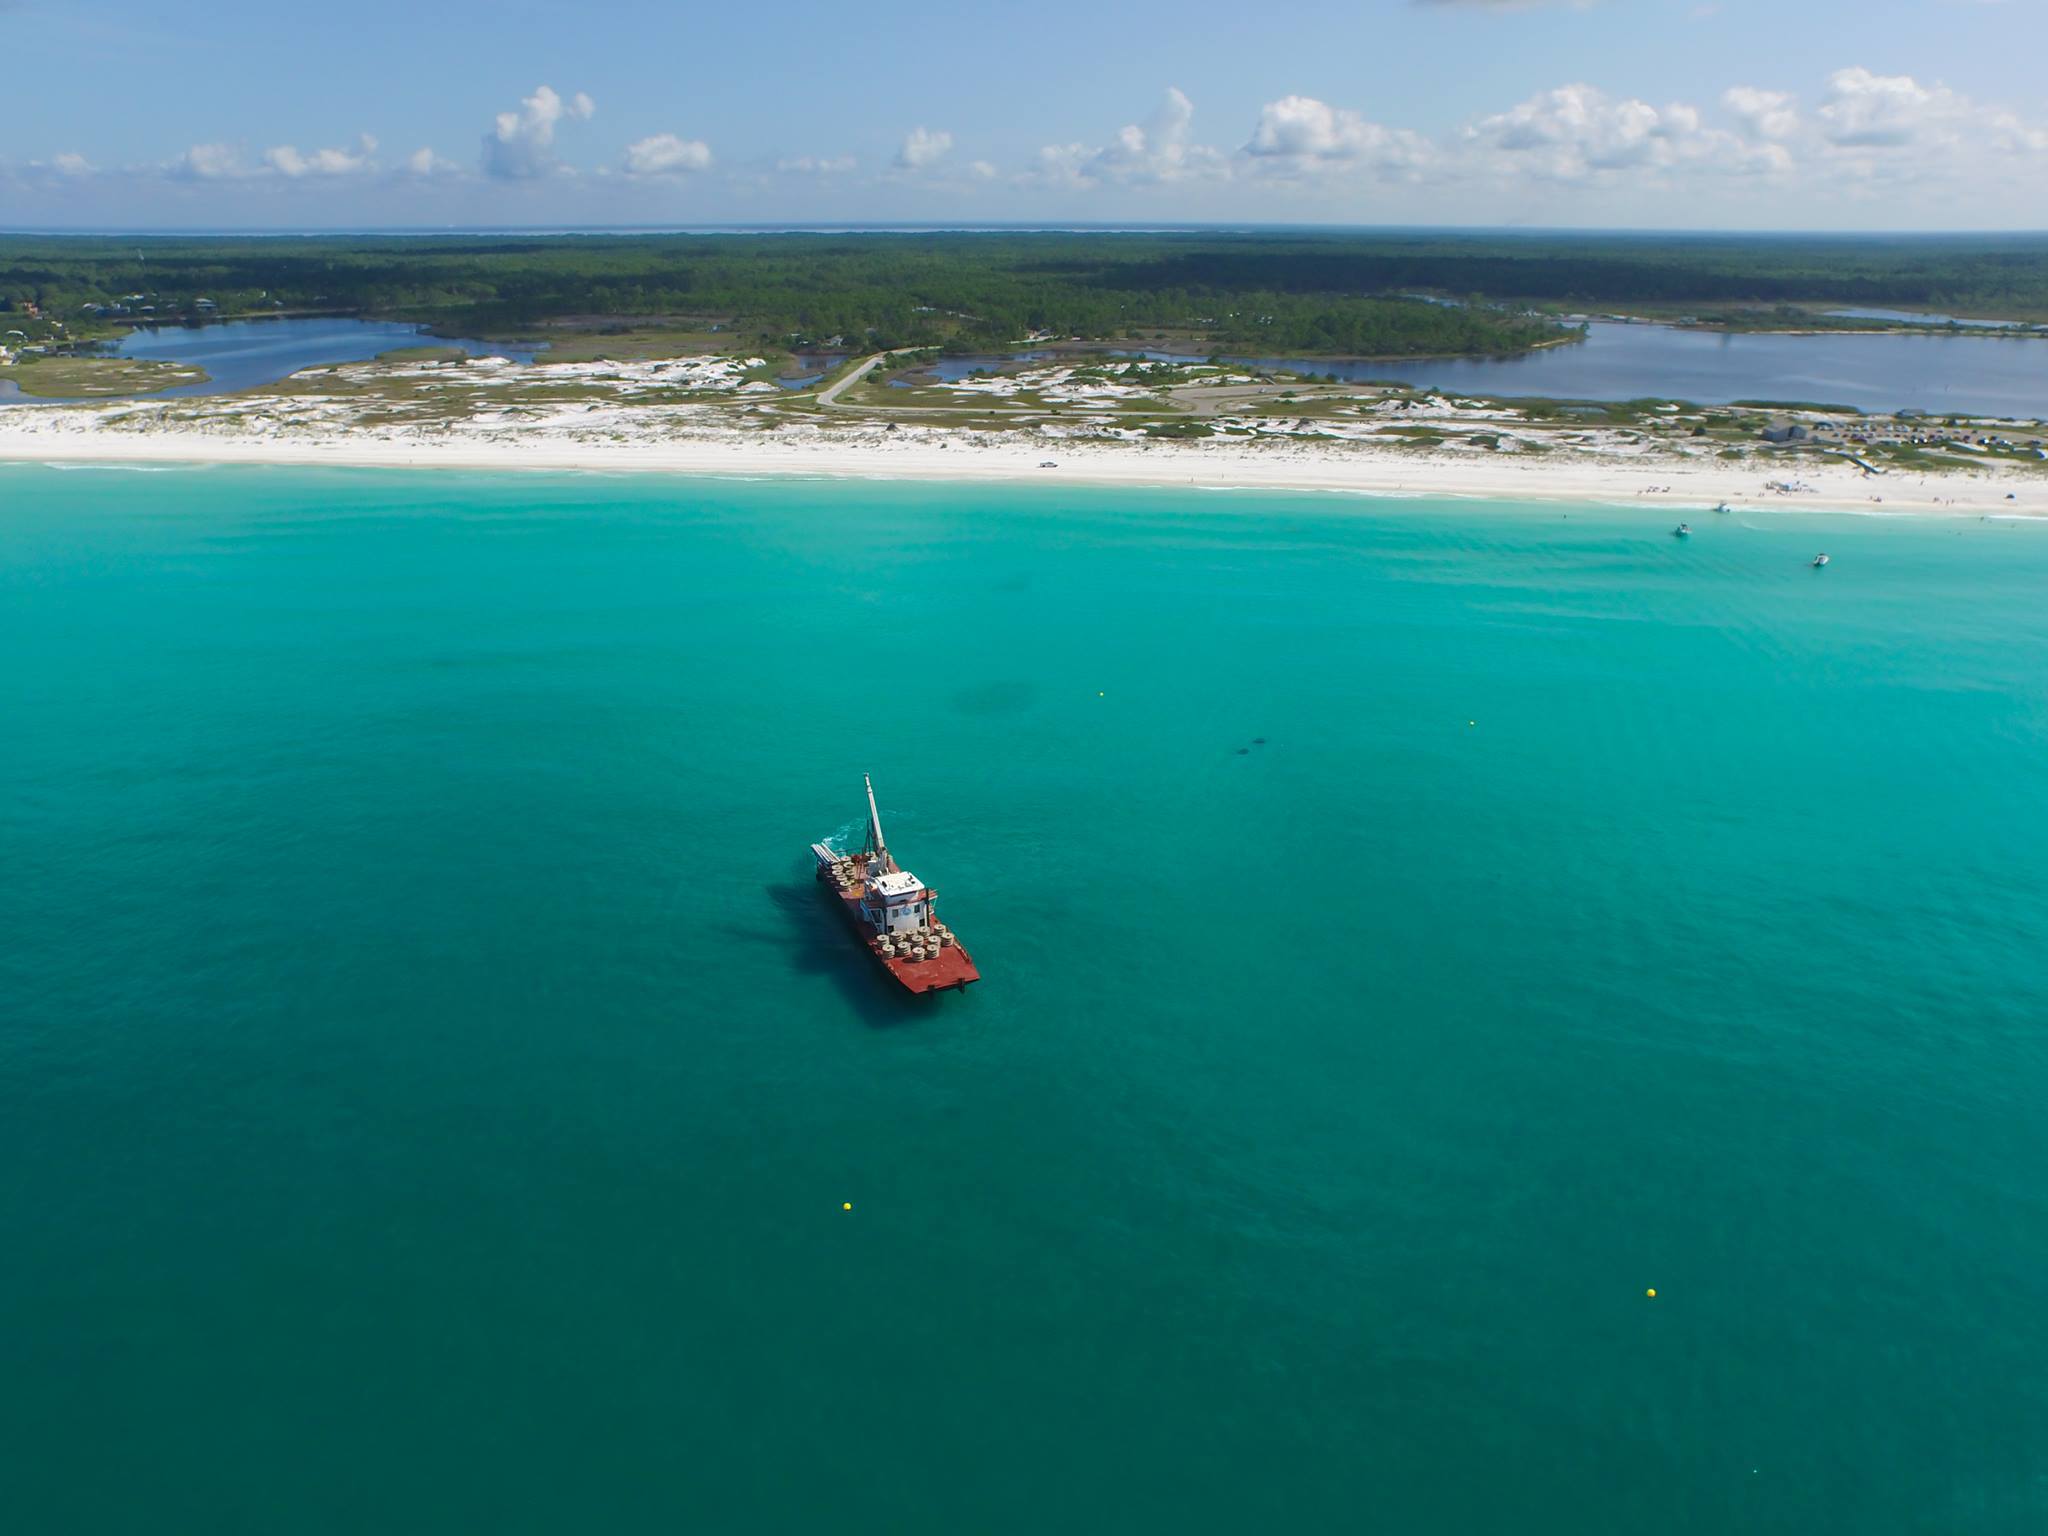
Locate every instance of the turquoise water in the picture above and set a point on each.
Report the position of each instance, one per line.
(429, 1082)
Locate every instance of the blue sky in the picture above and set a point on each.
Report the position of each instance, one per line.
(1863, 114)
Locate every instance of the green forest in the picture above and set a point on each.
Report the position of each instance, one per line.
(1322, 293)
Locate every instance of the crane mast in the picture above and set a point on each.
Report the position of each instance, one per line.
(875, 827)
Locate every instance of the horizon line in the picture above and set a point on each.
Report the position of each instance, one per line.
(856, 227)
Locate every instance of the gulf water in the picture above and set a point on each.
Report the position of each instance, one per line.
(430, 1083)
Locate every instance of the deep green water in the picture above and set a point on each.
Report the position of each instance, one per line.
(429, 1082)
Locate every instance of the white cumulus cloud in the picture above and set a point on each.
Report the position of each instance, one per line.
(287, 161)
(1578, 131)
(208, 162)
(923, 148)
(1865, 110)
(521, 145)
(1763, 114)
(1160, 149)
(664, 154)
(816, 165)
(1298, 133)
(424, 162)
(1894, 130)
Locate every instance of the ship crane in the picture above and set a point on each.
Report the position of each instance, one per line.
(883, 862)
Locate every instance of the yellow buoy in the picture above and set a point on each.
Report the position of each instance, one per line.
(848, 1205)
(1651, 1292)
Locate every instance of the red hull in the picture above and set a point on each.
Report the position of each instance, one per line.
(949, 969)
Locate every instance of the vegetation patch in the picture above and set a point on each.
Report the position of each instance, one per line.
(63, 377)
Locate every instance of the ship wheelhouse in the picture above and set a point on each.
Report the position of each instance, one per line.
(896, 901)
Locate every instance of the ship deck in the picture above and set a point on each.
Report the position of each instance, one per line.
(951, 968)
(948, 969)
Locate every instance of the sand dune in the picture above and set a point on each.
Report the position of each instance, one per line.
(687, 440)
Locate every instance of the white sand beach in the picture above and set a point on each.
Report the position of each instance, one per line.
(735, 431)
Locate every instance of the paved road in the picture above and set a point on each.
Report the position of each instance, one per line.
(829, 397)
(830, 394)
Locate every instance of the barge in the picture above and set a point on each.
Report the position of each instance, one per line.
(893, 913)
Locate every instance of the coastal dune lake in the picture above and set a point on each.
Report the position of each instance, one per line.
(247, 354)
(242, 354)
(1873, 372)
(431, 1084)
(1992, 375)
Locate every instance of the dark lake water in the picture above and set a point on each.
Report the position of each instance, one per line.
(244, 354)
(1988, 374)
(807, 368)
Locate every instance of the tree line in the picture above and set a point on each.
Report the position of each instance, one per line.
(1328, 294)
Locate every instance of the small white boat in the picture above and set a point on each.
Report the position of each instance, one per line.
(1819, 561)
(1724, 507)
(1682, 531)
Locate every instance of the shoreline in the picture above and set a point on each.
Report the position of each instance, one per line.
(939, 455)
